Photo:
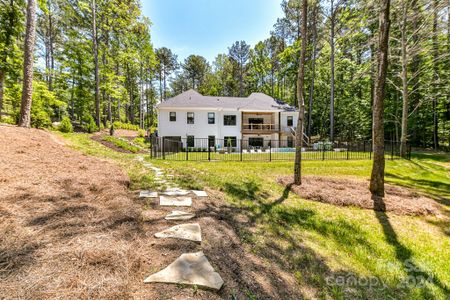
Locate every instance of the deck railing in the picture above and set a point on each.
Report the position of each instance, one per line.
(260, 127)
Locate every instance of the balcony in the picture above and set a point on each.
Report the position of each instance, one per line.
(260, 128)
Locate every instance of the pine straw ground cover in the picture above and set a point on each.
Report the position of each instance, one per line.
(355, 192)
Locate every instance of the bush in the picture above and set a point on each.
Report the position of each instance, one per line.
(127, 126)
(89, 124)
(66, 125)
(141, 133)
(40, 119)
(8, 120)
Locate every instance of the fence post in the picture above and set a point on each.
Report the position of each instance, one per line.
(241, 148)
(270, 151)
(392, 150)
(187, 149)
(151, 147)
(163, 148)
(323, 151)
(209, 151)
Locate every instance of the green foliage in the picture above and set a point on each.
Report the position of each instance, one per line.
(89, 124)
(66, 125)
(127, 126)
(141, 133)
(40, 119)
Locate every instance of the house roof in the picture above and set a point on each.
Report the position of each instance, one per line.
(254, 102)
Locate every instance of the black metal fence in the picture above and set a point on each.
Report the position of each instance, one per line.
(198, 149)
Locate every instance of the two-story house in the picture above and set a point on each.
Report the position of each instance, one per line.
(257, 120)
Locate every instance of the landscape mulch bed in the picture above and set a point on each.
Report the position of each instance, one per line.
(70, 228)
(355, 192)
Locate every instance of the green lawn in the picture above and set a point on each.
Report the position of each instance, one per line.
(334, 252)
(323, 244)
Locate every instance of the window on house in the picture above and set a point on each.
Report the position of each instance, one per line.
(211, 118)
(230, 141)
(229, 120)
(190, 141)
(172, 116)
(290, 121)
(290, 141)
(190, 118)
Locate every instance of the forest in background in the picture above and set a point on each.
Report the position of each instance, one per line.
(94, 62)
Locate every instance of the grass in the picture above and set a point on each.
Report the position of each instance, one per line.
(333, 252)
(338, 252)
(121, 144)
(140, 178)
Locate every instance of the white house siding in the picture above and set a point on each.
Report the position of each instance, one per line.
(202, 130)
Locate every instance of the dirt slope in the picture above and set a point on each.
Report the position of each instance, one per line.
(71, 229)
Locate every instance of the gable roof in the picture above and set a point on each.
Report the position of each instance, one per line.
(254, 102)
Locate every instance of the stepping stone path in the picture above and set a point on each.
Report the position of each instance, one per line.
(200, 193)
(189, 268)
(175, 201)
(191, 232)
(148, 194)
(176, 215)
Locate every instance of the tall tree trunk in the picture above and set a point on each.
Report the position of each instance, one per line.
(301, 99)
(27, 90)
(448, 62)
(95, 50)
(332, 25)
(241, 79)
(164, 72)
(51, 47)
(435, 76)
(313, 67)
(2, 84)
(377, 177)
(405, 93)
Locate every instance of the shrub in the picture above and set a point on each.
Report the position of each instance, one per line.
(66, 125)
(40, 119)
(127, 126)
(89, 124)
(8, 120)
(141, 133)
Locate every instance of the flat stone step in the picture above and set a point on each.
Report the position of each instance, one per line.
(148, 194)
(200, 193)
(175, 192)
(179, 215)
(191, 232)
(191, 269)
(175, 201)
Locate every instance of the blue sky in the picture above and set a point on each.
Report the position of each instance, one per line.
(209, 27)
